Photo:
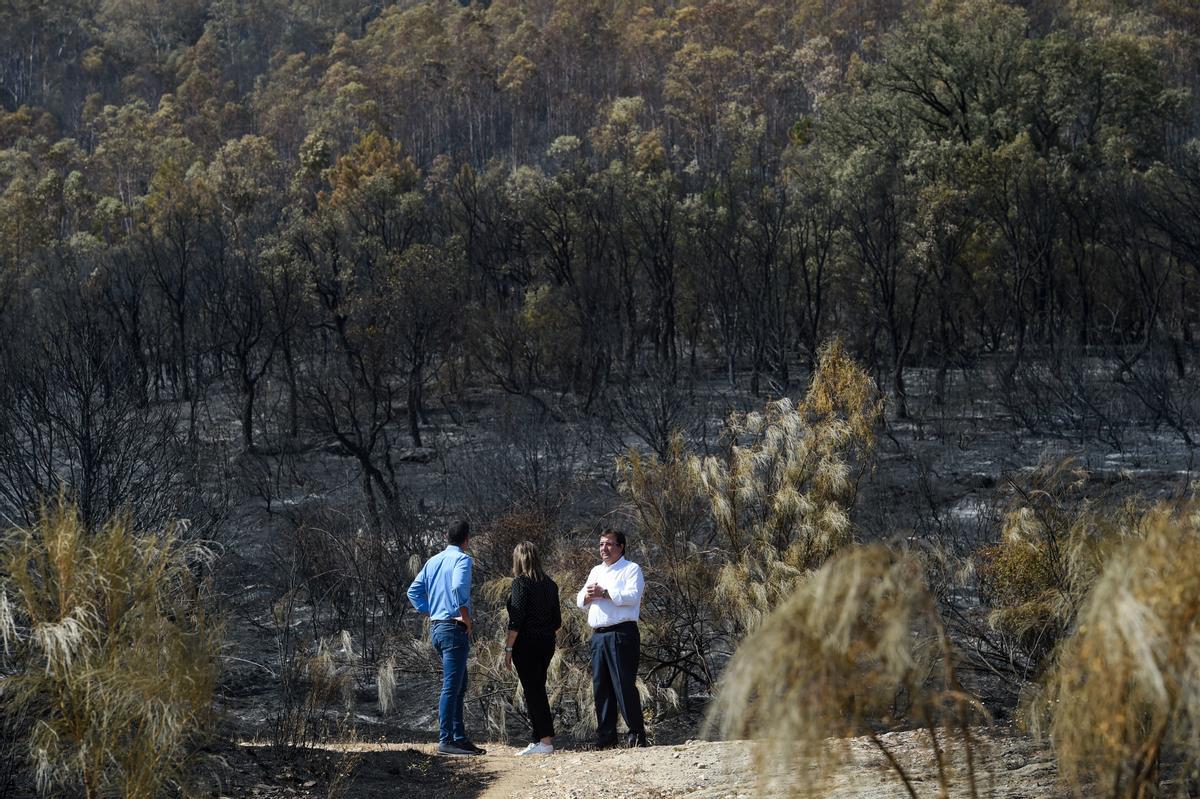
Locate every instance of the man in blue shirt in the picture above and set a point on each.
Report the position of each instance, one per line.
(442, 591)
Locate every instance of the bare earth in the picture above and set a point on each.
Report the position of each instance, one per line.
(1010, 766)
(724, 770)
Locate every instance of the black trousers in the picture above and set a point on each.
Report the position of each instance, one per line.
(531, 658)
(615, 654)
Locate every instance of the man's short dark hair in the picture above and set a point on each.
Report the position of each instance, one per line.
(459, 532)
(617, 534)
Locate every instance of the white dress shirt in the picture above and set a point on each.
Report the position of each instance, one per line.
(624, 582)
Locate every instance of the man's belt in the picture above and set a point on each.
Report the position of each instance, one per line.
(619, 626)
(458, 622)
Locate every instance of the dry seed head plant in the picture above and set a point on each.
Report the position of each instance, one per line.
(1125, 691)
(328, 678)
(857, 649)
(781, 495)
(111, 653)
(730, 536)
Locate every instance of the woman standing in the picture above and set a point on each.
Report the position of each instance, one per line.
(533, 619)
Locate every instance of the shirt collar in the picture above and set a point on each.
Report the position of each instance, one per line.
(454, 547)
(618, 563)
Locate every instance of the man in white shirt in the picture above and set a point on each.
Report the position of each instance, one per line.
(612, 598)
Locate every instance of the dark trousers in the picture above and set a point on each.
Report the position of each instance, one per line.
(531, 658)
(615, 653)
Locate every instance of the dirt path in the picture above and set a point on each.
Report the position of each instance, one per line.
(1010, 767)
(694, 769)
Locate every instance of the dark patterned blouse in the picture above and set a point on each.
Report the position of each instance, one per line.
(533, 606)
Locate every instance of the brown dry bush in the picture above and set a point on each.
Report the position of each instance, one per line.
(318, 694)
(351, 575)
(682, 635)
(112, 653)
(859, 648)
(1054, 541)
(316, 704)
(1125, 690)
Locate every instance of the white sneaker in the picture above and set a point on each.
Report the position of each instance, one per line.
(537, 748)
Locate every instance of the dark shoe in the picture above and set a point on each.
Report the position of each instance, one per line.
(636, 741)
(606, 743)
(470, 747)
(459, 749)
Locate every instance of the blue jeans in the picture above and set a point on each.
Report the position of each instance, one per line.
(451, 642)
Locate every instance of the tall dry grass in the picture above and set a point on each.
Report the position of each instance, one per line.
(112, 652)
(857, 649)
(1124, 693)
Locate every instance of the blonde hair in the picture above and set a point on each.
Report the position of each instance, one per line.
(526, 562)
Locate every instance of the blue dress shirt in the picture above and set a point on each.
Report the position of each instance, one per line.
(443, 586)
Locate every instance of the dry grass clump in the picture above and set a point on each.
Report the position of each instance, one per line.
(1053, 544)
(1126, 687)
(318, 691)
(112, 655)
(858, 648)
(494, 542)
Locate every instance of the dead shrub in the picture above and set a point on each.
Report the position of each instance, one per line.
(858, 648)
(14, 731)
(318, 695)
(493, 544)
(353, 576)
(114, 656)
(533, 462)
(683, 637)
(316, 704)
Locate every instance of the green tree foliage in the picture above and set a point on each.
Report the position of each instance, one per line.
(729, 179)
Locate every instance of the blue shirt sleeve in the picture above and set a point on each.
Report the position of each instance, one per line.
(418, 594)
(460, 584)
